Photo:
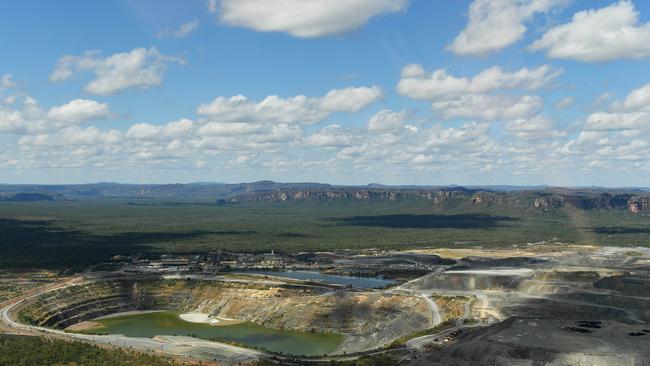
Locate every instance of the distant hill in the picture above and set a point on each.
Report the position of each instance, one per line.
(28, 197)
(524, 197)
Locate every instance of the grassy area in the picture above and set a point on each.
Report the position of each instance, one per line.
(11, 290)
(34, 351)
(78, 233)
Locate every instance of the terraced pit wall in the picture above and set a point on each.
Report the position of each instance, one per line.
(377, 318)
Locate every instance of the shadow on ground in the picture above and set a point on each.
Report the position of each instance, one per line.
(465, 221)
(621, 230)
(41, 244)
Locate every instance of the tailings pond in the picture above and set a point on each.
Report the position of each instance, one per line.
(358, 282)
(149, 325)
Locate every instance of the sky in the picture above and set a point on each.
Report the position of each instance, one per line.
(482, 92)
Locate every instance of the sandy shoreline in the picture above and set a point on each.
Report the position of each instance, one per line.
(207, 319)
(83, 326)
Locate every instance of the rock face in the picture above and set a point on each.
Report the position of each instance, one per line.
(449, 198)
(548, 202)
(331, 195)
(631, 286)
(638, 203)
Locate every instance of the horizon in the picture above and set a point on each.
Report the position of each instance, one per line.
(394, 91)
(544, 186)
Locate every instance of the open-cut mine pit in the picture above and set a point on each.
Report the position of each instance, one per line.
(364, 319)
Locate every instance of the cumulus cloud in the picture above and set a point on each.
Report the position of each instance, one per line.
(79, 111)
(182, 31)
(606, 121)
(229, 129)
(293, 110)
(330, 136)
(488, 107)
(141, 68)
(387, 120)
(171, 130)
(564, 103)
(7, 84)
(418, 84)
(597, 35)
(143, 131)
(631, 113)
(178, 128)
(213, 6)
(350, 99)
(32, 119)
(496, 24)
(6, 81)
(12, 121)
(303, 18)
(73, 135)
(534, 128)
(438, 137)
(636, 100)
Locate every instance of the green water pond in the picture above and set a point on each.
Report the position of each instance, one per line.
(149, 325)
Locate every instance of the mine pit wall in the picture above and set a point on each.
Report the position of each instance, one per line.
(468, 282)
(370, 319)
(566, 294)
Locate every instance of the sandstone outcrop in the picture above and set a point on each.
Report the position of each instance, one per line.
(638, 203)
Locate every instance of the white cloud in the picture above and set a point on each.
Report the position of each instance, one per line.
(330, 136)
(438, 137)
(74, 135)
(182, 31)
(6, 82)
(598, 138)
(350, 99)
(178, 128)
(144, 131)
(533, 128)
(273, 108)
(636, 100)
(536, 124)
(488, 107)
(171, 130)
(606, 121)
(139, 68)
(605, 34)
(79, 111)
(293, 110)
(564, 103)
(387, 120)
(417, 84)
(12, 121)
(228, 129)
(213, 6)
(629, 114)
(302, 18)
(496, 24)
(279, 133)
(423, 159)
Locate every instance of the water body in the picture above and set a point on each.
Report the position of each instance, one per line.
(358, 282)
(149, 325)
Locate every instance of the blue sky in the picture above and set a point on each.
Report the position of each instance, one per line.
(341, 91)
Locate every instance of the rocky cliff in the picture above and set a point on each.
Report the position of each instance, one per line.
(459, 197)
(638, 203)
